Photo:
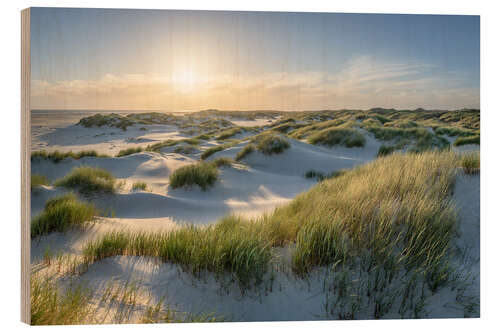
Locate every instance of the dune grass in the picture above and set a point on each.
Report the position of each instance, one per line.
(248, 149)
(222, 161)
(57, 156)
(111, 120)
(227, 247)
(454, 131)
(139, 186)
(129, 151)
(52, 306)
(270, 143)
(470, 162)
(229, 133)
(391, 219)
(38, 180)
(203, 174)
(385, 150)
(471, 140)
(212, 150)
(62, 213)
(347, 137)
(88, 180)
(185, 149)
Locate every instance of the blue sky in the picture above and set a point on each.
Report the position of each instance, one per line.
(169, 60)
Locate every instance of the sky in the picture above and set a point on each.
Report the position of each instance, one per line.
(117, 59)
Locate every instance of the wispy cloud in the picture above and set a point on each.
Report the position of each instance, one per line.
(362, 83)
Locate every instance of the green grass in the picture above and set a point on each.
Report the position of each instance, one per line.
(471, 140)
(62, 213)
(385, 150)
(470, 162)
(203, 174)
(229, 133)
(270, 143)
(230, 246)
(88, 180)
(52, 306)
(38, 180)
(212, 150)
(420, 138)
(248, 149)
(129, 151)
(142, 186)
(347, 137)
(222, 161)
(185, 149)
(57, 156)
(111, 120)
(453, 131)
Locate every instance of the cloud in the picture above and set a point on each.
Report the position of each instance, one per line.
(362, 83)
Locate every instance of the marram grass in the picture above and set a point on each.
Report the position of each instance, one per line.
(88, 180)
(62, 213)
(203, 174)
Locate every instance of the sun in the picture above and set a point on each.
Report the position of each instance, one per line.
(184, 79)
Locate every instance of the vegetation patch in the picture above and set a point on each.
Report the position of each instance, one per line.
(185, 149)
(229, 133)
(248, 149)
(385, 150)
(222, 161)
(212, 150)
(203, 174)
(471, 140)
(88, 180)
(62, 213)
(347, 137)
(470, 162)
(38, 180)
(226, 247)
(57, 156)
(129, 151)
(111, 120)
(269, 143)
(139, 186)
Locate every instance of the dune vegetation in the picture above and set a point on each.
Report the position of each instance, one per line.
(270, 143)
(248, 149)
(38, 180)
(60, 214)
(57, 156)
(203, 174)
(347, 137)
(470, 162)
(88, 180)
(129, 151)
(139, 186)
(471, 140)
(389, 217)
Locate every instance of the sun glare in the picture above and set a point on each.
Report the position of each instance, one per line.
(185, 79)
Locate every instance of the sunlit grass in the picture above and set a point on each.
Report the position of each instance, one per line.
(88, 180)
(38, 180)
(62, 213)
(203, 174)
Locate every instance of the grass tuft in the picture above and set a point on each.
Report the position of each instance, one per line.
(57, 156)
(88, 180)
(62, 213)
(347, 137)
(269, 143)
(38, 180)
(203, 174)
(139, 186)
(470, 162)
(248, 149)
(471, 140)
(129, 151)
